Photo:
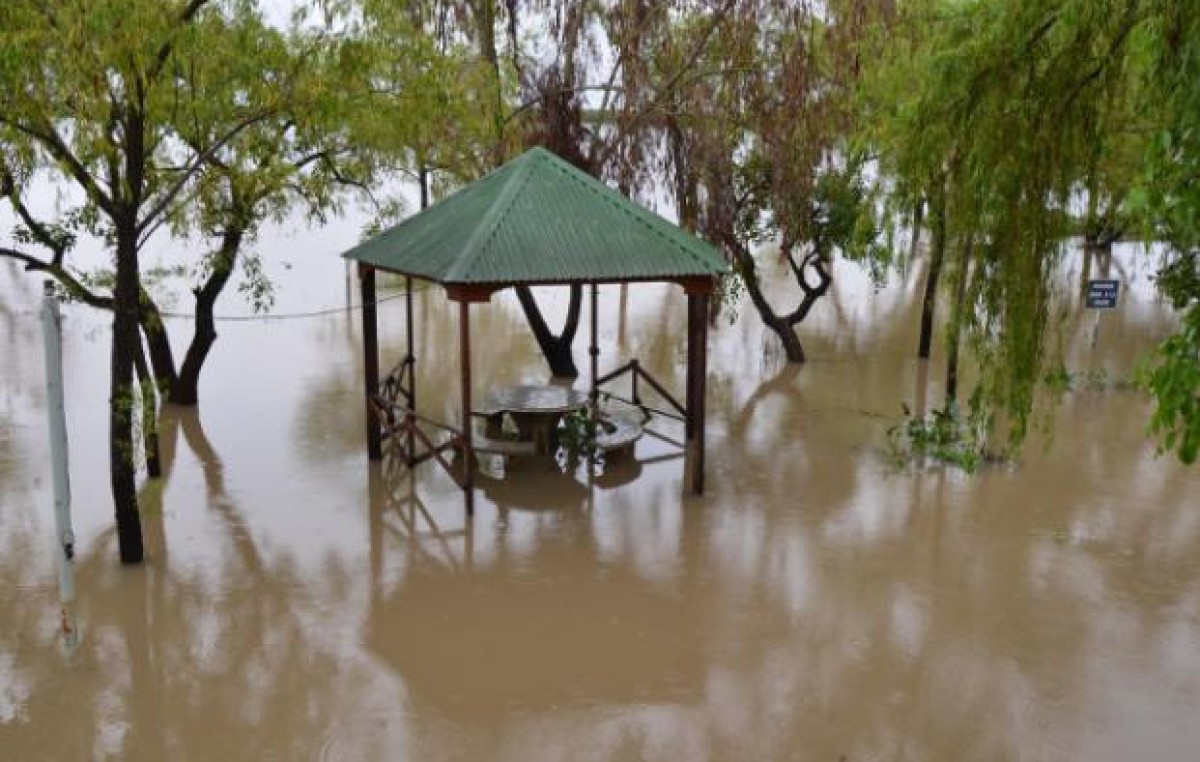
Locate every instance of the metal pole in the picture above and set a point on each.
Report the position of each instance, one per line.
(64, 535)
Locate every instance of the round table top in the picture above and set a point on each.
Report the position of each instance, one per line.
(534, 398)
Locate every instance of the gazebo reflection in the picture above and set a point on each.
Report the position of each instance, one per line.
(542, 623)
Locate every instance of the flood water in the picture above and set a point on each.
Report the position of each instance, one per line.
(818, 603)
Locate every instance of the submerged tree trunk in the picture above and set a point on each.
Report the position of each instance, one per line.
(120, 444)
(149, 395)
(158, 344)
(793, 350)
(556, 349)
(937, 254)
(784, 326)
(186, 390)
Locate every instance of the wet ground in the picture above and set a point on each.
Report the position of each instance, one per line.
(816, 604)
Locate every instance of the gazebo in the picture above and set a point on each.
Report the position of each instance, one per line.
(535, 221)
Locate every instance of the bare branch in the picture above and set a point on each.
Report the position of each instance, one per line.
(193, 166)
(41, 233)
(812, 294)
(661, 95)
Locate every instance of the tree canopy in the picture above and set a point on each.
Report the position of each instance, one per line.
(195, 119)
(1024, 117)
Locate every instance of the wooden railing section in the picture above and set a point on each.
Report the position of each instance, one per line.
(638, 373)
(405, 441)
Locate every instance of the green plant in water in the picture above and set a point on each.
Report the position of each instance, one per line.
(577, 438)
(944, 435)
(1059, 380)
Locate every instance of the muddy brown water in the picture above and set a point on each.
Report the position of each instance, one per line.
(816, 604)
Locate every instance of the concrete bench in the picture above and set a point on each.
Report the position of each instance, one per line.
(506, 447)
(618, 435)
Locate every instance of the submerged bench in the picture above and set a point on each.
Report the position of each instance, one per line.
(615, 437)
(506, 447)
(618, 435)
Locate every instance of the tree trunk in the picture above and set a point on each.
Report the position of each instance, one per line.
(954, 340)
(792, 349)
(918, 218)
(782, 328)
(186, 389)
(485, 30)
(149, 395)
(937, 254)
(685, 180)
(120, 443)
(556, 349)
(158, 344)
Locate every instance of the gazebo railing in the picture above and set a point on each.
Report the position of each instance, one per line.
(401, 429)
(403, 514)
(636, 373)
(393, 386)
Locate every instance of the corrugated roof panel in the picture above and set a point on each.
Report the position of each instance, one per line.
(538, 219)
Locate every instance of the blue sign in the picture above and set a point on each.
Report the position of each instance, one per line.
(1102, 294)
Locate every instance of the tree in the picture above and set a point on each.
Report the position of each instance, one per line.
(1015, 111)
(759, 149)
(1170, 200)
(129, 103)
(597, 101)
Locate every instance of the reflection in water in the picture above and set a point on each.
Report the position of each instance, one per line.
(483, 641)
(170, 653)
(815, 604)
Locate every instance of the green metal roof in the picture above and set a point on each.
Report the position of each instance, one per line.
(538, 219)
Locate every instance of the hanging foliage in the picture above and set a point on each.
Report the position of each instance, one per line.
(1021, 113)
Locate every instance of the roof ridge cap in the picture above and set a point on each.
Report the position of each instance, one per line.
(490, 222)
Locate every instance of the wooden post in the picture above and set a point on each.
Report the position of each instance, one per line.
(64, 533)
(366, 275)
(701, 392)
(594, 351)
(696, 377)
(633, 382)
(377, 499)
(412, 365)
(689, 423)
(464, 346)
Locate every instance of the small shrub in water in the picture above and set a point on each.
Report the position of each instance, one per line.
(943, 435)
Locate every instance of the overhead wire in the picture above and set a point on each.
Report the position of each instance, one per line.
(286, 315)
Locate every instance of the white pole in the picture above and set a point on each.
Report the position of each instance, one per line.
(64, 536)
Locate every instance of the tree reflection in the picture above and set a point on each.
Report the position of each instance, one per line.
(175, 656)
(540, 621)
(815, 603)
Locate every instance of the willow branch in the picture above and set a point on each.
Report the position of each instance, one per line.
(73, 285)
(194, 165)
(49, 138)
